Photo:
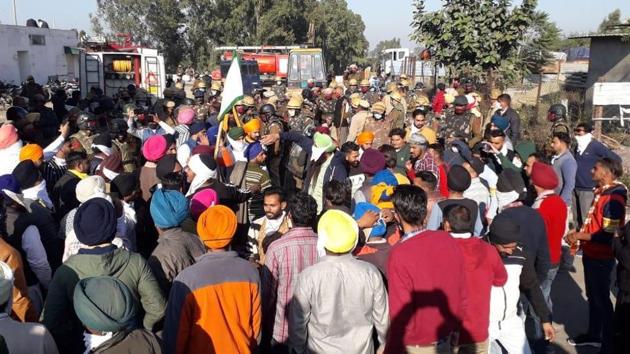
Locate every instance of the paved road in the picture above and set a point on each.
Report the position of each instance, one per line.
(570, 309)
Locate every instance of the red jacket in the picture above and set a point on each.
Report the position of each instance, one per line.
(554, 212)
(427, 290)
(484, 269)
(438, 102)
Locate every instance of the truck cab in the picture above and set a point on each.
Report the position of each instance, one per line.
(249, 74)
(306, 64)
(393, 60)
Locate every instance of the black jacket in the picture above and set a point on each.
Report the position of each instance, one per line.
(533, 237)
(621, 250)
(514, 131)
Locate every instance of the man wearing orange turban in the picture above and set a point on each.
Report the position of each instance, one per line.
(252, 130)
(365, 140)
(32, 152)
(219, 295)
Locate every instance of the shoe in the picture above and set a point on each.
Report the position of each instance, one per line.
(585, 340)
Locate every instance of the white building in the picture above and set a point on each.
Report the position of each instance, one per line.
(41, 52)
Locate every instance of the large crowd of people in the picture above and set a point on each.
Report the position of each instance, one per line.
(366, 216)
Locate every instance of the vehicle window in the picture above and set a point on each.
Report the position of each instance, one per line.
(394, 56)
(318, 68)
(294, 73)
(401, 55)
(306, 67)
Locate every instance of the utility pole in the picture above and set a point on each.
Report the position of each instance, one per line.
(14, 14)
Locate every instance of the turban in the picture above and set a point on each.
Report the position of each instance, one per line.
(196, 127)
(253, 150)
(418, 139)
(458, 179)
(544, 176)
(154, 148)
(372, 161)
(365, 137)
(111, 166)
(216, 226)
(212, 134)
(95, 222)
(501, 122)
(168, 208)
(236, 133)
(124, 184)
(90, 187)
(104, 304)
(379, 228)
(31, 152)
(524, 149)
(322, 129)
(202, 150)
(339, 231)
(103, 142)
(201, 201)
(186, 115)
(26, 174)
(429, 134)
(321, 143)
(383, 184)
(8, 135)
(252, 126)
(165, 165)
(6, 283)
(183, 154)
(204, 167)
(503, 230)
(9, 183)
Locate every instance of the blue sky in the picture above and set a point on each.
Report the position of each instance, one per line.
(383, 19)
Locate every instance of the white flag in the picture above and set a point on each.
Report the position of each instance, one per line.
(233, 88)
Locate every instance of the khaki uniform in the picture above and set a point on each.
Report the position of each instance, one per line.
(357, 124)
(85, 140)
(127, 154)
(380, 129)
(280, 91)
(371, 97)
(397, 115)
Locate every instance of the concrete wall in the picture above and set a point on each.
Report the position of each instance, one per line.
(609, 62)
(20, 58)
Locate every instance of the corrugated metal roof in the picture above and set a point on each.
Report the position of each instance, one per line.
(602, 35)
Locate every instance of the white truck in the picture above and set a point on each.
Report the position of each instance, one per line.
(398, 61)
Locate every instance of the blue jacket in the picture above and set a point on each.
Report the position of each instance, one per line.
(586, 161)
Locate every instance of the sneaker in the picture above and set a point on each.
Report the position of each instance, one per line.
(585, 340)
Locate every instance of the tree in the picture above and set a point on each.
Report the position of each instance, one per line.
(478, 39)
(613, 19)
(376, 54)
(339, 32)
(151, 23)
(541, 37)
(187, 31)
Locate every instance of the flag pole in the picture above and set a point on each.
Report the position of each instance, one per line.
(219, 142)
(236, 117)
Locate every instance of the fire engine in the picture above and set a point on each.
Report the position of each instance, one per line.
(112, 65)
(295, 64)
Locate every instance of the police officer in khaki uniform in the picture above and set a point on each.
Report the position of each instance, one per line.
(279, 89)
(368, 93)
(379, 123)
(127, 147)
(87, 124)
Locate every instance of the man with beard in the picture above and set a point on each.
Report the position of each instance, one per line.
(270, 227)
(121, 143)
